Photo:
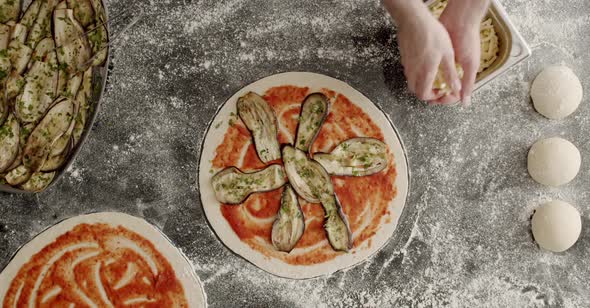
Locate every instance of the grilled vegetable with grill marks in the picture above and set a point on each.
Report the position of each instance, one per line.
(313, 183)
(41, 28)
(73, 50)
(261, 121)
(313, 113)
(5, 33)
(30, 15)
(4, 106)
(289, 224)
(83, 11)
(336, 224)
(38, 181)
(39, 91)
(53, 125)
(18, 175)
(54, 162)
(355, 157)
(308, 178)
(19, 52)
(9, 10)
(233, 186)
(9, 142)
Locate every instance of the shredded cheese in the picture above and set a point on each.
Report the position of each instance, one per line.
(490, 46)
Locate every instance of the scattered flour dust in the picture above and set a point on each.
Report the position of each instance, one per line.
(75, 173)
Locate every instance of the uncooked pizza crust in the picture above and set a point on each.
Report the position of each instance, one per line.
(212, 208)
(183, 269)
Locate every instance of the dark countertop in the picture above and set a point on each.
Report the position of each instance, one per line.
(464, 237)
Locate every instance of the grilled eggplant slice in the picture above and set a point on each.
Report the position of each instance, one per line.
(313, 184)
(24, 133)
(18, 52)
(355, 157)
(313, 113)
(289, 224)
(14, 85)
(38, 181)
(9, 10)
(18, 175)
(53, 163)
(42, 50)
(83, 11)
(261, 121)
(9, 142)
(42, 26)
(62, 143)
(82, 98)
(39, 90)
(99, 38)
(336, 224)
(5, 31)
(99, 41)
(53, 125)
(73, 49)
(70, 91)
(308, 178)
(30, 15)
(233, 186)
(3, 105)
(17, 161)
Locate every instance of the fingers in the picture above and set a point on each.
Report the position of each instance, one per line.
(445, 100)
(425, 80)
(470, 68)
(450, 73)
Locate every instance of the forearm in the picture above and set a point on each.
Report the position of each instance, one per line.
(404, 11)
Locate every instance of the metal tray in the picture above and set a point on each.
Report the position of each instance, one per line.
(99, 80)
(513, 48)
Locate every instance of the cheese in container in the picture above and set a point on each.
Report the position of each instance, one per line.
(502, 46)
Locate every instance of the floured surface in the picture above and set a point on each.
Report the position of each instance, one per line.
(464, 238)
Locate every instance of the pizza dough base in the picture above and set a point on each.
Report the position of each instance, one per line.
(554, 161)
(556, 92)
(185, 273)
(556, 226)
(212, 208)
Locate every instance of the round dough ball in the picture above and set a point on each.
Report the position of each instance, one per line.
(556, 225)
(556, 92)
(554, 161)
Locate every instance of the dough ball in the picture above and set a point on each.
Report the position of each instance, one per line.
(556, 225)
(554, 161)
(556, 92)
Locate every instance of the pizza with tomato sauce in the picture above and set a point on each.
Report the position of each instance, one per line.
(100, 260)
(302, 175)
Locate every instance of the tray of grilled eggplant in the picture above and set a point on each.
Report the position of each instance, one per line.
(53, 66)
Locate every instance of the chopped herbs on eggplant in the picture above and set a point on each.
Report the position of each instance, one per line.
(355, 157)
(9, 142)
(308, 178)
(233, 186)
(313, 113)
(289, 224)
(261, 121)
(51, 127)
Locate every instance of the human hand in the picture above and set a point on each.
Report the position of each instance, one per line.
(462, 19)
(425, 45)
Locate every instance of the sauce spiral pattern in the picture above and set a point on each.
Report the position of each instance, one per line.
(96, 265)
